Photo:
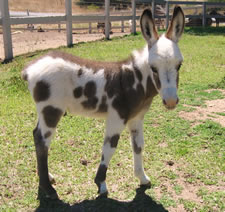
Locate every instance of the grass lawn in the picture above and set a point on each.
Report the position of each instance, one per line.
(185, 160)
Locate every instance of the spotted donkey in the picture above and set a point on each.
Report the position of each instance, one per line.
(121, 92)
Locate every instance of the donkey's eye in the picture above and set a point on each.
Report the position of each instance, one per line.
(178, 67)
(154, 70)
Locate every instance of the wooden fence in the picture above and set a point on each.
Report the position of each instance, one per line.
(6, 21)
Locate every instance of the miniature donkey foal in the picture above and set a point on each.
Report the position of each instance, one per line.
(121, 92)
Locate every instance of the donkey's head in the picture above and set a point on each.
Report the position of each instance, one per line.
(164, 56)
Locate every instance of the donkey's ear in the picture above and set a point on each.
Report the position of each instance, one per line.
(176, 27)
(148, 27)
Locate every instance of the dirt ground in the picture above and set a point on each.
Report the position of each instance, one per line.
(27, 41)
(211, 111)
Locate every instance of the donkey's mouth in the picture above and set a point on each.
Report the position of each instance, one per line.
(170, 105)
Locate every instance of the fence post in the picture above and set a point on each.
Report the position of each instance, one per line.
(167, 14)
(204, 14)
(133, 17)
(107, 23)
(90, 28)
(153, 9)
(6, 28)
(122, 26)
(69, 23)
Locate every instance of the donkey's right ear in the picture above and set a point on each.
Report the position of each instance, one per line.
(148, 27)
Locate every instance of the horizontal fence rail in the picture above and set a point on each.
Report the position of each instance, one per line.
(7, 19)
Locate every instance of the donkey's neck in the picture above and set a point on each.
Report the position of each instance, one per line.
(137, 89)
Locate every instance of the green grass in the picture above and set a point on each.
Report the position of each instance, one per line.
(197, 152)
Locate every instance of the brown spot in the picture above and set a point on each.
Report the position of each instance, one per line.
(47, 134)
(134, 132)
(128, 78)
(103, 106)
(114, 141)
(77, 92)
(90, 103)
(130, 102)
(51, 116)
(101, 175)
(80, 72)
(150, 88)
(41, 91)
(89, 92)
(138, 73)
(127, 98)
(90, 89)
(121, 106)
(136, 149)
(113, 86)
(140, 91)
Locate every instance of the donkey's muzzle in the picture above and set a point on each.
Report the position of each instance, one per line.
(170, 99)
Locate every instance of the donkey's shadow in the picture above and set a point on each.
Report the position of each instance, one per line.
(141, 202)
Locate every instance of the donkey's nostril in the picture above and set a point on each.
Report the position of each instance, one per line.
(177, 101)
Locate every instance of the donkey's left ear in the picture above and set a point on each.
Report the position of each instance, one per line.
(176, 27)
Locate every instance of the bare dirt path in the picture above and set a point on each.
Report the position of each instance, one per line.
(214, 110)
(24, 42)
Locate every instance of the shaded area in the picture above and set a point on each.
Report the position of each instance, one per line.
(141, 202)
(204, 30)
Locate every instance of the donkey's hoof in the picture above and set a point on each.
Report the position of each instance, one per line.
(144, 179)
(43, 194)
(53, 196)
(102, 189)
(147, 185)
(103, 195)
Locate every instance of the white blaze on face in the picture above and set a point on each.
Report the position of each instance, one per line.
(164, 60)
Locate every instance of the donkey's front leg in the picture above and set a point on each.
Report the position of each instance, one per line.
(114, 127)
(137, 140)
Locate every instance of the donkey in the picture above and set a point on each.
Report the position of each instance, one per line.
(121, 92)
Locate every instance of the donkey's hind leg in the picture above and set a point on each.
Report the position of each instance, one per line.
(48, 119)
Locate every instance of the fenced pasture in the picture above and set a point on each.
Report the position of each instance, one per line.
(184, 158)
(107, 18)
